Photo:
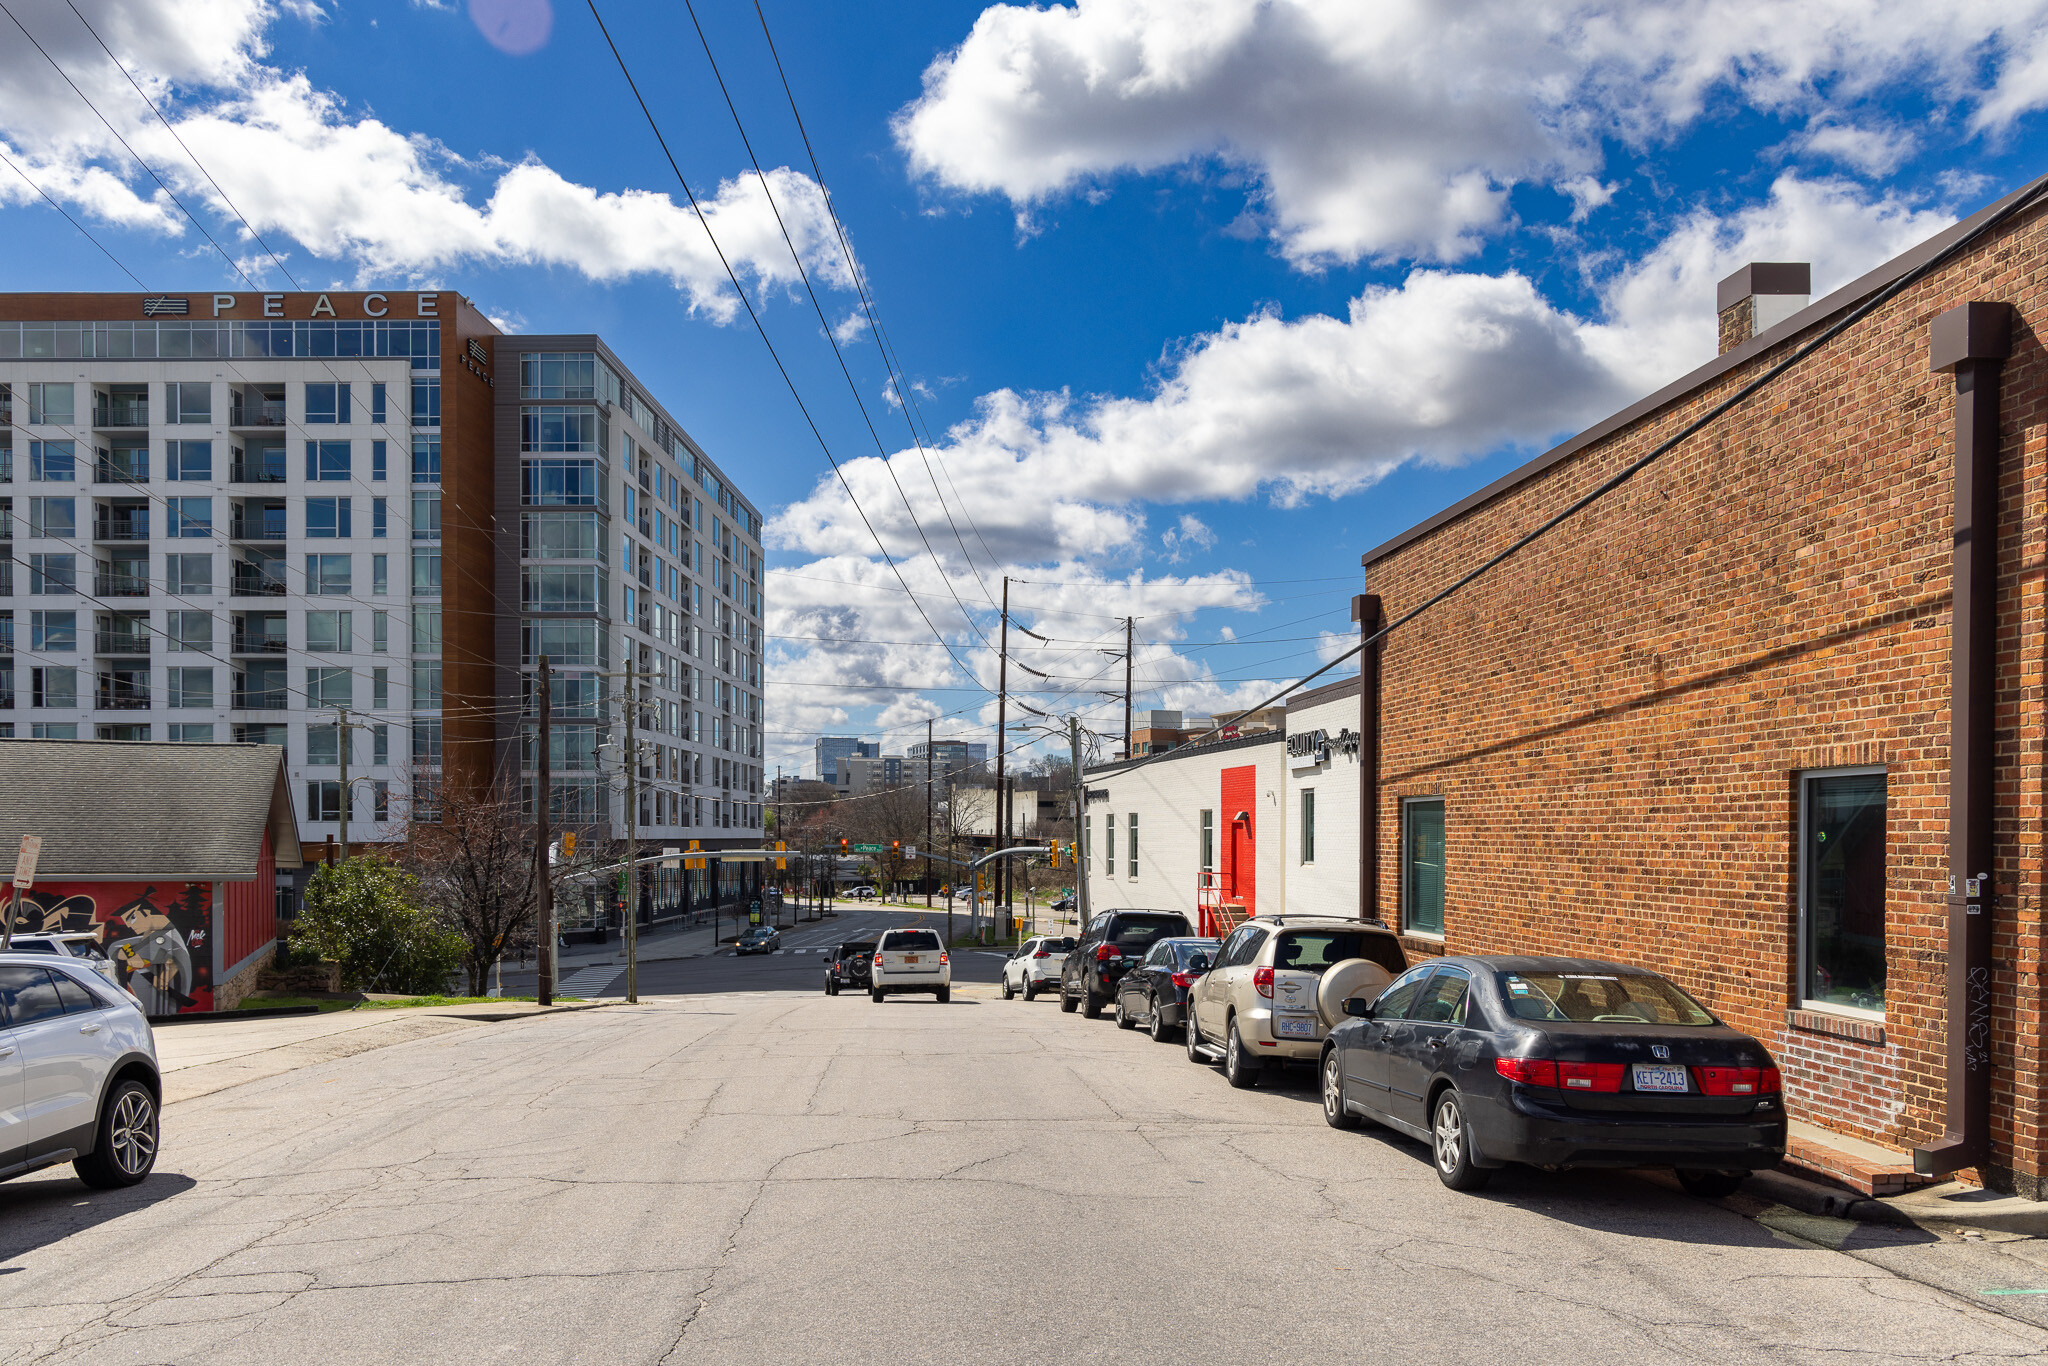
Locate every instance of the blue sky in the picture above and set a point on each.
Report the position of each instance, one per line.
(1197, 300)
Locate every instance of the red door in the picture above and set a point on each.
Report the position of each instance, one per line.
(1240, 847)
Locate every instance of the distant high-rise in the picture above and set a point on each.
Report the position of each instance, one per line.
(832, 748)
(948, 757)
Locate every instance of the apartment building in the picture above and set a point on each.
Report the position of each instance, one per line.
(348, 523)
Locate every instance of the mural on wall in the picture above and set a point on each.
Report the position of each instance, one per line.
(158, 939)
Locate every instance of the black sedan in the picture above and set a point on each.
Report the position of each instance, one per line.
(1155, 993)
(759, 939)
(848, 967)
(1556, 1062)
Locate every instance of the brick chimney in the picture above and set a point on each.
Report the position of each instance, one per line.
(1759, 297)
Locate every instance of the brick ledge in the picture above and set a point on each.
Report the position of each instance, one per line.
(1841, 1026)
(1806, 1153)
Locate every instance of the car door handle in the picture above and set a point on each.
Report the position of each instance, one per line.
(6, 1050)
(89, 1028)
(1436, 1043)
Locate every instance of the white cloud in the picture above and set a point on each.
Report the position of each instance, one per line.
(350, 189)
(1397, 129)
(1185, 539)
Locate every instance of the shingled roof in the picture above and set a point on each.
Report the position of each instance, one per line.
(124, 809)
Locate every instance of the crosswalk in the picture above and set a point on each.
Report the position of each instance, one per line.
(591, 982)
(772, 953)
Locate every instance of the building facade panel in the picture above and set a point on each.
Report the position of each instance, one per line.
(1322, 802)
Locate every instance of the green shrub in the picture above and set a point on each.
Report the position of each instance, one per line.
(365, 912)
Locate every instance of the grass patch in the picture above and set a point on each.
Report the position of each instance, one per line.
(412, 1001)
(288, 1002)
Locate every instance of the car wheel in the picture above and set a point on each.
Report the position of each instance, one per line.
(124, 1149)
(1156, 1025)
(1451, 1144)
(1334, 1113)
(1009, 992)
(1066, 1001)
(1123, 1013)
(875, 995)
(1030, 990)
(945, 995)
(1091, 1004)
(831, 986)
(1711, 1185)
(1240, 1069)
(1193, 1037)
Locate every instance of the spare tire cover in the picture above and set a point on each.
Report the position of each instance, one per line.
(1342, 981)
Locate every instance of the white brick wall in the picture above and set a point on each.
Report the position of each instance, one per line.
(1329, 885)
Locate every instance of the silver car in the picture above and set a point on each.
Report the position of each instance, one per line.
(82, 945)
(78, 1073)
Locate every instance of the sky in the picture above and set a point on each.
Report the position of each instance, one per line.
(1183, 304)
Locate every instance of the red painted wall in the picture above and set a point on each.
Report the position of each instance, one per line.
(249, 920)
(159, 934)
(1240, 838)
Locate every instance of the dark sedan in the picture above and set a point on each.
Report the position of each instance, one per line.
(1556, 1062)
(848, 967)
(1155, 993)
(758, 939)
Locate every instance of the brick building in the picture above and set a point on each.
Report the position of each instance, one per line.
(1760, 717)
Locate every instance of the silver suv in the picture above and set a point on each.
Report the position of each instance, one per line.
(1279, 984)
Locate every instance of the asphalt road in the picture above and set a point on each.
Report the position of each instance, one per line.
(769, 1176)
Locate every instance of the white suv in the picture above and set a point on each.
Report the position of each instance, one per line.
(910, 960)
(1035, 966)
(78, 1073)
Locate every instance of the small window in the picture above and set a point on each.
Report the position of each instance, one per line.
(380, 575)
(189, 574)
(323, 801)
(327, 403)
(1131, 840)
(377, 403)
(1842, 888)
(190, 404)
(1422, 865)
(1208, 842)
(327, 576)
(327, 461)
(188, 461)
(378, 514)
(190, 517)
(1308, 825)
(378, 459)
(1393, 1002)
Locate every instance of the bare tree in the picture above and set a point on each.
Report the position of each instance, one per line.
(475, 866)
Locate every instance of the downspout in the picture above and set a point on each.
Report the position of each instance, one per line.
(1971, 341)
(1365, 610)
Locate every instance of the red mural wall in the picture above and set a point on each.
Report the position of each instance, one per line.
(1240, 837)
(158, 934)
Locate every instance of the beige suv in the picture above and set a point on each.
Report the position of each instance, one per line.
(1279, 984)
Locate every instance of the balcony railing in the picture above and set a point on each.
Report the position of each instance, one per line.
(106, 642)
(256, 413)
(118, 692)
(133, 469)
(121, 412)
(249, 583)
(257, 645)
(260, 699)
(268, 525)
(6, 412)
(121, 583)
(132, 526)
(265, 466)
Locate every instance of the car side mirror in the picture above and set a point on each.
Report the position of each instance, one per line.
(1199, 963)
(1359, 1006)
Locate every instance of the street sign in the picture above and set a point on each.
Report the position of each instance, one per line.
(911, 852)
(867, 848)
(671, 864)
(25, 861)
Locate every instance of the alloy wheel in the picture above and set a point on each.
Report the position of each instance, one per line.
(134, 1133)
(1450, 1137)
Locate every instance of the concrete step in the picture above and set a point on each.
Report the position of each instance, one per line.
(1864, 1167)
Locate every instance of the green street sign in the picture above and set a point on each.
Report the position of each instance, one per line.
(867, 848)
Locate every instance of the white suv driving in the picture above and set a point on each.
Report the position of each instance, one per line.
(1035, 966)
(910, 960)
(78, 1073)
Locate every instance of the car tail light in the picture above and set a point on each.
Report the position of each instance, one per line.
(1589, 1076)
(1528, 1071)
(942, 959)
(1107, 952)
(1042, 953)
(1738, 1081)
(1184, 980)
(1262, 978)
(878, 960)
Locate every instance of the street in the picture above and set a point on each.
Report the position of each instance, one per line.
(764, 1174)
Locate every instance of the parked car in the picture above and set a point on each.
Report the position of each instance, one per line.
(82, 945)
(861, 893)
(1155, 993)
(1063, 906)
(759, 939)
(1106, 949)
(1035, 965)
(1278, 986)
(910, 960)
(78, 1073)
(1556, 1062)
(848, 967)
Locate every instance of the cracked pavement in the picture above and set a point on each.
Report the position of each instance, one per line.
(769, 1176)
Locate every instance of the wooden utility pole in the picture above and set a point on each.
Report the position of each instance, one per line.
(542, 800)
(632, 753)
(1129, 654)
(1002, 728)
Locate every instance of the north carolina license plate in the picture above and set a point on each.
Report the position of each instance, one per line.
(1297, 1029)
(1650, 1078)
(910, 958)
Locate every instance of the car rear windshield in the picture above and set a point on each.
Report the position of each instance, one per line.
(1138, 934)
(1189, 948)
(1315, 950)
(909, 941)
(1599, 998)
(855, 950)
(1059, 945)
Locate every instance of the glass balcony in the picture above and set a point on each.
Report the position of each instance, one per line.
(121, 524)
(252, 410)
(124, 689)
(257, 523)
(259, 465)
(122, 467)
(121, 579)
(260, 695)
(251, 582)
(120, 412)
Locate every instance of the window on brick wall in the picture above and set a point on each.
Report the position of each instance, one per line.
(1841, 888)
(1422, 865)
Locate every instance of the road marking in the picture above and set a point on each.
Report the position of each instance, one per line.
(2013, 1292)
(590, 982)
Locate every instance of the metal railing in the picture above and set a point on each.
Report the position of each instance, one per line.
(268, 525)
(257, 645)
(114, 641)
(121, 412)
(133, 526)
(249, 583)
(260, 699)
(121, 583)
(256, 413)
(115, 470)
(264, 466)
(119, 693)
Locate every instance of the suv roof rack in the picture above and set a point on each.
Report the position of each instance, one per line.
(1286, 916)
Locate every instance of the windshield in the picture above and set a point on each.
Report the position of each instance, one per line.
(1139, 934)
(1189, 948)
(1599, 998)
(1315, 950)
(909, 941)
(855, 950)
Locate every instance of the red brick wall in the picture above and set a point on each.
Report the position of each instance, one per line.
(1616, 717)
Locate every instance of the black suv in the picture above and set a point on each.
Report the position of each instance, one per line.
(848, 967)
(1112, 943)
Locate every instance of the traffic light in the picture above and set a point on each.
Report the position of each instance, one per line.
(569, 844)
(1055, 853)
(895, 846)
(842, 844)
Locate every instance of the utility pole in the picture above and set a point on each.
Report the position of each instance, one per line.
(631, 750)
(542, 799)
(928, 813)
(1129, 623)
(1002, 728)
(1081, 859)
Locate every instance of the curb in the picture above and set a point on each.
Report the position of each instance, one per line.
(1811, 1197)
